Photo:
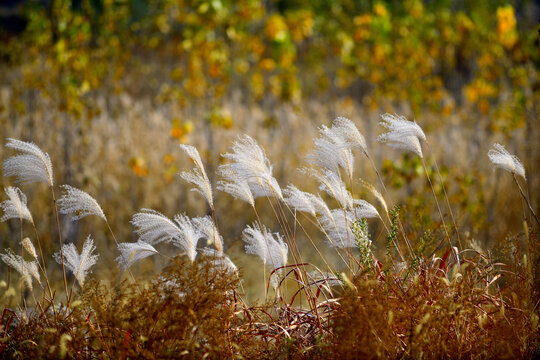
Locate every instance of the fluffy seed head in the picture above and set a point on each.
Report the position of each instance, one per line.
(132, 252)
(332, 152)
(501, 158)
(190, 235)
(198, 175)
(249, 163)
(402, 134)
(209, 230)
(27, 269)
(153, 227)
(234, 185)
(78, 204)
(15, 207)
(31, 165)
(331, 183)
(272, 250)
(337, 228)
(78, 264)
(346, 129)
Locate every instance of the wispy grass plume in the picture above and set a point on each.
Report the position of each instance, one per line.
(133, 252)
(27, 269)
(78, 264)
(270, 248)
(189, 236)
(78, 204)
(232, 184)
(250, 164)
(32, 165)
(153, 227)
(209, 230)
(198, 175)
(501, 158)
(402, 134)
(15, 207)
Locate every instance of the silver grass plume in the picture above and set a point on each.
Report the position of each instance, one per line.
(32, 165)
(501, 158)
(249, 163)
(132, 252)
(350, 134)
(15, 207)
(78, 264)
(27, 269)
(332, 184)
(332, 152)
(337, 228)
(190, 235)
(272, 250)
(209, 230)
(198, 175)
(402, 134)
(363, 209)
(304, 201)
(400, 124)
(153, 227)
(29, 247)
(234, 185)
(78, 204)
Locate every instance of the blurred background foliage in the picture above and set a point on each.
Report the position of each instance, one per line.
(436, 55)
(110, 87)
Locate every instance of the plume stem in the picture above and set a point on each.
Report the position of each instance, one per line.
(526, 200)
(439, 209)
(401, 228)
(61, 245)
(446, 197)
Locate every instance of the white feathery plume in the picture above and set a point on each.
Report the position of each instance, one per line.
(78, 264)
(400, 124)
(78, 204)
(133, 252)
(337, 228)
(304, 201)
(332, 152)
(250, 163)
(332, 184)
(29, 247)
(350, 134)
(501, 158)
(32, 165)
(363, 209)
(153, 227)
(190, 235)
(15, 207)
(198, 175)
(27, 269)
(234, 185)
(209, 231)
(402, 134)
(272, 250)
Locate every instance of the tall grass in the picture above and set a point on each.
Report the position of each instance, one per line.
(465, 302)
